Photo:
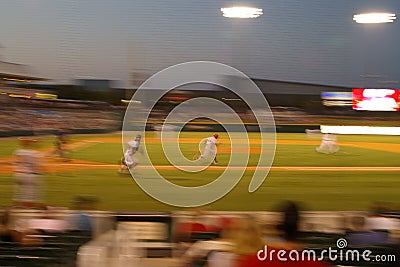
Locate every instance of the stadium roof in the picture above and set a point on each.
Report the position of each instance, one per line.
(17, 72)
(297, 88)
(267, 86)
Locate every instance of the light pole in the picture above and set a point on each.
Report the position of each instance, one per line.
(241, 12)
(373, 18)
(1, 48)
(237, 13)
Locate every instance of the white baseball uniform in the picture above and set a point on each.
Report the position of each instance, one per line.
(28, 183)
(130, 158)
(328, 144)
(210, 148)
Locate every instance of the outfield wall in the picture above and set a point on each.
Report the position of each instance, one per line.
(211, 127)
(190, 127)
(371, 130)
(215, 127)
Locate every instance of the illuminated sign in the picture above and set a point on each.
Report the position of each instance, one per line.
(376, 99)
(337, 98)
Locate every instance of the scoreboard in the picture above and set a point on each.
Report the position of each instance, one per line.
(376, 99)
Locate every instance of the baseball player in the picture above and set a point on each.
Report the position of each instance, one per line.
(211, 144)
(28, 167)
(328, 144)
(129, 161)
(60, 145)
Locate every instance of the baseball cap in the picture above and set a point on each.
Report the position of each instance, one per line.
(216, 136)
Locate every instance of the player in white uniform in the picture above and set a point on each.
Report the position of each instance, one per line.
(129, 161)
(28, 167)
(211, 148)
(328, 144)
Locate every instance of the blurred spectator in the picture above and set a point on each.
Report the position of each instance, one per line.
(50, 221)
(241, 242)
(5, 231)
(215, 252)
(240, 237)
(199, 223)
(17, 231)
(377, 208)
(360, 236)
(247, 240)
(290, 224)
(28, 167)
(185, 231)
(376, 219)
(81, 217)
(60, 143)
(289, 229)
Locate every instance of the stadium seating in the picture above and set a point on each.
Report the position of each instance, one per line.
(151, 235)
(49, 121)
(56, 250)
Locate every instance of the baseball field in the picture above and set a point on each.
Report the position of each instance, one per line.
(365, 170)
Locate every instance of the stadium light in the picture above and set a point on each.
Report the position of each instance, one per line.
(241, 12)
(372, 18)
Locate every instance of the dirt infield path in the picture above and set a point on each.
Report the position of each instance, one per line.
(58, 166)
(252, 168)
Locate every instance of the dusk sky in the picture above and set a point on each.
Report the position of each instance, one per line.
(313, 41)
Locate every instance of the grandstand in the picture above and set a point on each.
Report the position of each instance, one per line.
(26, 121)
(14, 75)
(159, 238)
(38, 110)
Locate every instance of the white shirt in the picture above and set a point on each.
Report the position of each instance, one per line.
(29, 185)
(201, 248)
(211, 143)
(27, 161)
(220, 258)
(133, 145)
(329, 137)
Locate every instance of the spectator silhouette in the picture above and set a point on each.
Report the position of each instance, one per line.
(289, 230)
(360, 236)
(82, 217)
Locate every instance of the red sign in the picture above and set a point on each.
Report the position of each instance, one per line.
(376, 99)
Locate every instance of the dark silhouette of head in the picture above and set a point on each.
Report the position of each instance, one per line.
(290, 223)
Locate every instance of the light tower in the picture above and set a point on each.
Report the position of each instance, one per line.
(1, 50)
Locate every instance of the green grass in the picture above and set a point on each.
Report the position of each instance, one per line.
(316, 191)
(9, 145)
(343, 138)
(343, 190)
(305, 155)
(101, 152)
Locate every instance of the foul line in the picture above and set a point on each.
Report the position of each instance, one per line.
(251, 168)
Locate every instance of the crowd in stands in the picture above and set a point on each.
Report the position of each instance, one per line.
(287, 115)
(49, 236)
(51, 119)
(200, 238)
(48, 115)
(20, 110)
(40, 120)
(242, 241)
